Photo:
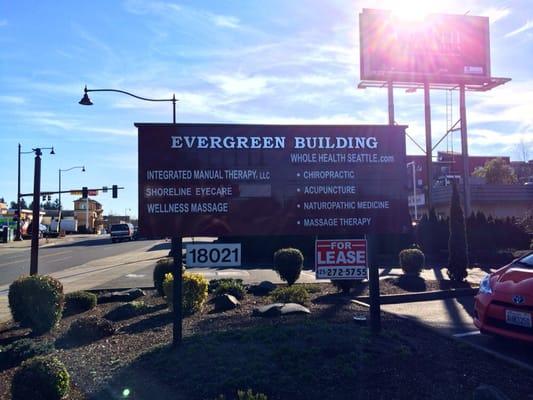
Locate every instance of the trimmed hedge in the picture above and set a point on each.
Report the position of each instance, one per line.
(80, 301)
(194, 289)
(87, 329)
(162, 267)
(36, 302)
(39, 378)
(128, 310)
(23, 349)
(231, 286)
(291, 294)
(412, 261)
(288, 263)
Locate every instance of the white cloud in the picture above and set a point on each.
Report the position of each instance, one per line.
(226, 21)
(496, 14)
(527, 26)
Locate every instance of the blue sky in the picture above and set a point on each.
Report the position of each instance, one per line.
(276, 61)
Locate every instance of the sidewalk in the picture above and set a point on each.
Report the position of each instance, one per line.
(95, 274)
(44, 242)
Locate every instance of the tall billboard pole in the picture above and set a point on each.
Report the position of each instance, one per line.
(464, 151)
(429, 150)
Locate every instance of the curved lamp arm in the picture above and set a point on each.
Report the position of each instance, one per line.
(86, 101)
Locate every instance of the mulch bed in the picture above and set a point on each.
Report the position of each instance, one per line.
(405, 358)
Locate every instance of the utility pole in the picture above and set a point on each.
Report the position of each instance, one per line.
(36, 211)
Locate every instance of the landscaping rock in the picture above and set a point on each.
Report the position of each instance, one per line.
(488, 392)
(225, 302)
(270, 310)
(294, 308)
(277, 309)
(126, 295)
(262, 289)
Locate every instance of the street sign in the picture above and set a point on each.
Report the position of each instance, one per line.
(341, 259)
(244, 180)
(76, 192)
(213, 255)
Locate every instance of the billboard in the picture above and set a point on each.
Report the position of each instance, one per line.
(442, 48)
(238, 180)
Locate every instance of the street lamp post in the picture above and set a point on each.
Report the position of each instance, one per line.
(59, 216)
(35, 231)
(86, 101)
(176, 248)
(18, 235)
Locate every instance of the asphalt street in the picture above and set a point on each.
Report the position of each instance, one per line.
(16, 261)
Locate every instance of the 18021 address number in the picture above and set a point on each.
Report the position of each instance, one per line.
(342, 273)
(213, 255)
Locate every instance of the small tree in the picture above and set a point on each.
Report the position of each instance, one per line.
(496, 171)
(457, 246)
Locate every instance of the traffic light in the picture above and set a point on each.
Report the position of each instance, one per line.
(84, 192)
(115, 191)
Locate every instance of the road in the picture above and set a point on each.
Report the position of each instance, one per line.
(16, 261)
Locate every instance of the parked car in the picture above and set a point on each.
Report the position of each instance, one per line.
(121, 232)
(504, 304)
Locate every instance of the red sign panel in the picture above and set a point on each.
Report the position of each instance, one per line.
(341, 259)
(441, 48)
(238, 180)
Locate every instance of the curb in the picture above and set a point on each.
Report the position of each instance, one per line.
(425, 296)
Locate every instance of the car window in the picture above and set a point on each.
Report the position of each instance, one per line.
(119, 227)
(527, 260)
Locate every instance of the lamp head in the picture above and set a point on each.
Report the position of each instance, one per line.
(83, 169)
(86, 101)
(52, 151)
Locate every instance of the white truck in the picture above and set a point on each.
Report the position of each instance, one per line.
(67, 225)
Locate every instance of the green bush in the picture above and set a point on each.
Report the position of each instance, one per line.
(16, 352)
(128, 310)
(344, 285)
(194, 291)
(162, 267)
(290, 294)
(412, 261)
(87, 329)
(41, 378)
(288, 263)
(80, 301)
(231, 286)
(36, 302)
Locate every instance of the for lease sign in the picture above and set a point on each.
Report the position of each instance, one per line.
(341, 259)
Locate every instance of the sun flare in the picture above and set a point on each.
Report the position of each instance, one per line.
(412, 10)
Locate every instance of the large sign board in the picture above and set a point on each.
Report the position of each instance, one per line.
(341, 259)
(238, 180)
(442, 48)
